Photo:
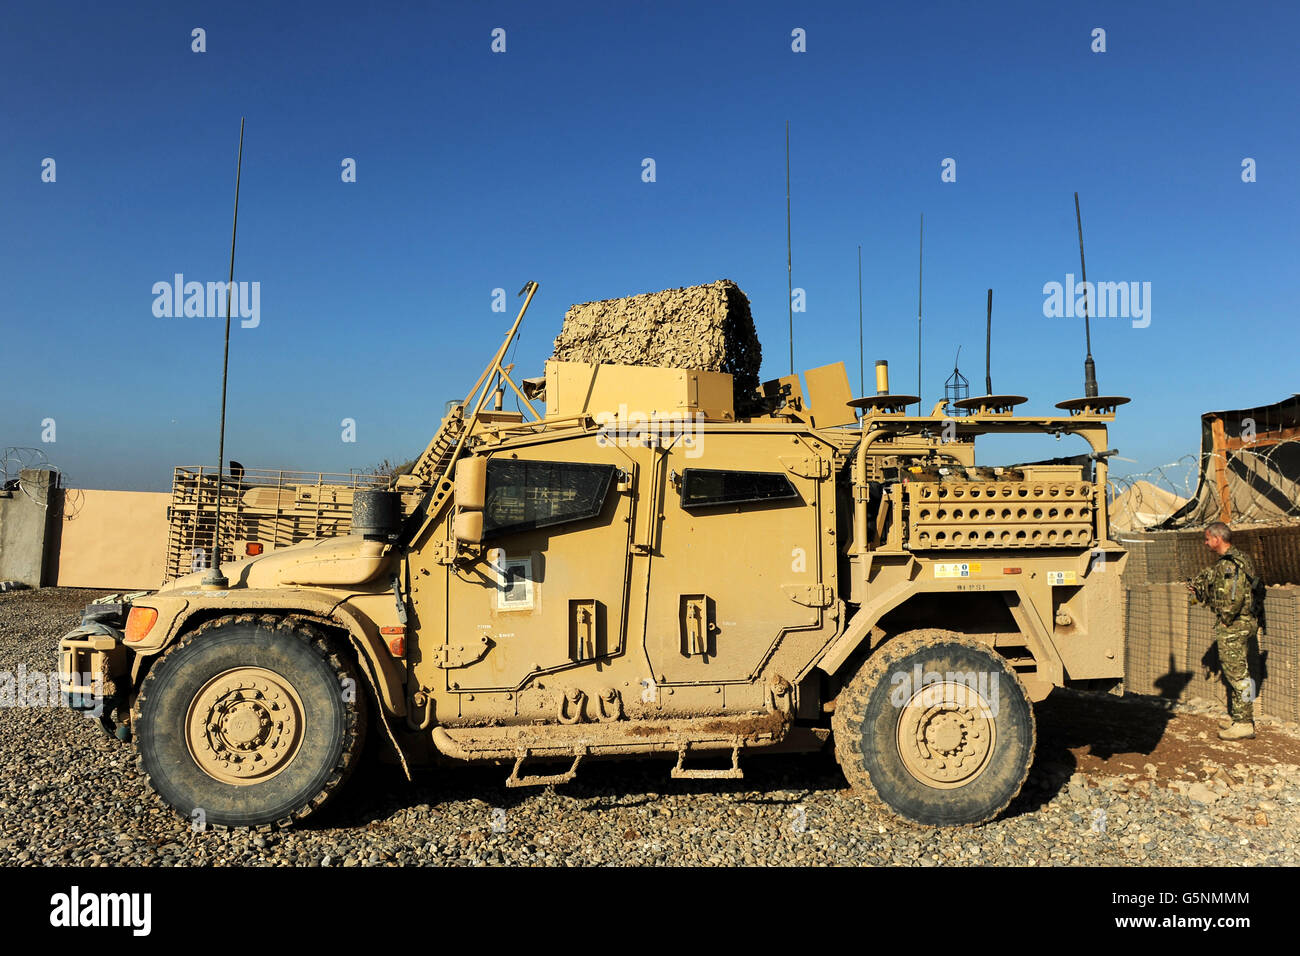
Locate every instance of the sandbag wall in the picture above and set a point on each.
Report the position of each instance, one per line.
(1167, 639)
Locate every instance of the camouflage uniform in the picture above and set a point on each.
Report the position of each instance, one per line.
(1228, 587)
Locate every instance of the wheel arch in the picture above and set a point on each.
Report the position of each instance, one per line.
(352, 634)
(362, 642)
(1005, 610)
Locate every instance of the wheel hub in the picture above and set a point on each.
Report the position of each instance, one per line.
(244, 726)
(945, 735)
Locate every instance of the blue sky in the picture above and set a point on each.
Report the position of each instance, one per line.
(478, 170)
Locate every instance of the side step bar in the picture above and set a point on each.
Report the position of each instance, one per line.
(541, 780)
(731, 773)
(521, 743)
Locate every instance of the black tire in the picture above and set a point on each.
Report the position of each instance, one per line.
(331, 729)
(868, 726)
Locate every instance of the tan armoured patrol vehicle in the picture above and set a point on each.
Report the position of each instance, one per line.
(634, 570)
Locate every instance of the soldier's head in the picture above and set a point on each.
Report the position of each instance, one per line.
(1218, 537)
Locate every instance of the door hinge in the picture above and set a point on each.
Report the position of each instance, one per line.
(809, 595)
(809, 467)
(463, 654)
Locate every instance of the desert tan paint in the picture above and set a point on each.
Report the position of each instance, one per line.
(687, 612)
(112, 539)
(653, 625)
(651, 622)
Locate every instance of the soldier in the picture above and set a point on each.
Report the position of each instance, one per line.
(1228, 588)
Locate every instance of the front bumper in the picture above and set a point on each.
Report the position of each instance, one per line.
(95, 667)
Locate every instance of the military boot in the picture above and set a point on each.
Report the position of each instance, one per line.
(1226, 723)
(1242, 730)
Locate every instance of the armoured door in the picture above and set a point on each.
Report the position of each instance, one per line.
(549, 590)
(739, 558)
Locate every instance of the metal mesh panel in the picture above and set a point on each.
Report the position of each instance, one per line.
(1156, 641)
(1279, 645)
(271, 508)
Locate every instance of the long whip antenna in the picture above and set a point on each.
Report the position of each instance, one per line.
(215, 579)
(988, 347)
(789, 273)
(862, 379)
(1089, 367)
(920, 271)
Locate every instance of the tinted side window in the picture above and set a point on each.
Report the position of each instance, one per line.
(522, 495)
(703, 487)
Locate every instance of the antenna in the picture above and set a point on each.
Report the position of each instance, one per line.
(957, 387)
(215, 580)
(988, 403)
(920, 262)
(1091, 403)
(862, 380)
(988, 347)
(789, 274)
(1089, 367)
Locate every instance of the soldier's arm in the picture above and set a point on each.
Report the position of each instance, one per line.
(1200, 585)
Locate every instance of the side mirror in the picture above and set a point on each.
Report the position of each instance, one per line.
(471, 484)
(468, 527)
(470, 496)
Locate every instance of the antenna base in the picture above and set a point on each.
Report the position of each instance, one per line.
(1103, 405)
(989, 404)
(1089, 377)
(886, 404)
(215, 581)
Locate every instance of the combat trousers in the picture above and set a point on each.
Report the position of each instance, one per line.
(1233, 641)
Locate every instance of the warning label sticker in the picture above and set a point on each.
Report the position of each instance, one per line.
(963, 570)
(1061, 577)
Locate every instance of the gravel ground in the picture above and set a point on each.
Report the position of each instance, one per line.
(1116, 781)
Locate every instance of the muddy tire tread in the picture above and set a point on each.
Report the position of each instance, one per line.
(851, 709)
(285, 626)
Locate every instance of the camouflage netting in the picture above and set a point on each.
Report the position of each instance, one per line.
(706, 327)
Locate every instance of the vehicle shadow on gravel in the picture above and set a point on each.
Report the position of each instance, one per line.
(1074, 722)
(1070, 723)
(379, 791)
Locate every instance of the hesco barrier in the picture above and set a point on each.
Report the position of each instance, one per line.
(1157, 557)
(1167, 640)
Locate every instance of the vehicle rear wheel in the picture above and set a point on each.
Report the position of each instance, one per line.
(937, 726)
(250, 721)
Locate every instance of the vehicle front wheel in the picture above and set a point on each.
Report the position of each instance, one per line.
(249, 721)
(937, 726)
